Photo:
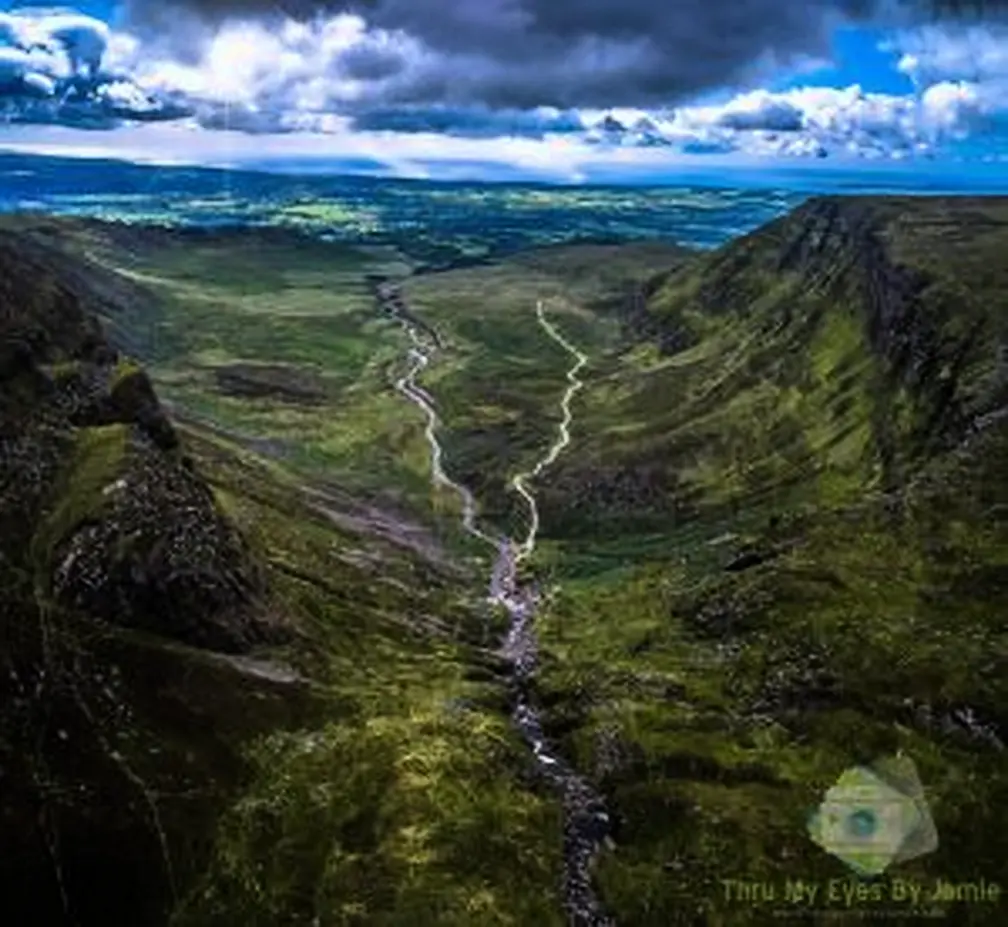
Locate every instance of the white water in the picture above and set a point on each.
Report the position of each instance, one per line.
(520, 482)
(420, 356)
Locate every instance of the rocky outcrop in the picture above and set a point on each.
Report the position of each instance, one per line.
(100, 513)
(668, 332)
(391, 301)
(152, 552)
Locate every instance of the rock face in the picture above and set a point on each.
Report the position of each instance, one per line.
(106, 530)
(835, 559)
(99, 511)
(159, 557)
(859, 332)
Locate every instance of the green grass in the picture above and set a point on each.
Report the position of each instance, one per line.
(735, 699)
(408, 808)
(125, 368)
(238, 300)
(94, 462)
(411, 809)
(500, 383)
(390, 787)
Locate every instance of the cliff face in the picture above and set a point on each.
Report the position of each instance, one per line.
(101, 511)
(929, 289)
(853, 339)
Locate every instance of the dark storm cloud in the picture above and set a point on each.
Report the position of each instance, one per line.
(568, 53)
(368, 62)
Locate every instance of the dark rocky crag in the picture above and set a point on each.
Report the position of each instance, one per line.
(114, 563)
(105, 514)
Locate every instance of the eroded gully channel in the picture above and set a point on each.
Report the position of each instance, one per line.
(586, 822)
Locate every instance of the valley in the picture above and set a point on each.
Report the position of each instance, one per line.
(760, 490)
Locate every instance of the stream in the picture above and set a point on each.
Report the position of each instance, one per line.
(586, 821)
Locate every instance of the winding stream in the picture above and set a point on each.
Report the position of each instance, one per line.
(419, 356)
(586, 822)
(520, 482)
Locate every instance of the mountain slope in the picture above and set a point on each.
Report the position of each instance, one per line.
(106, 531)
(783, 550)
(831, 350)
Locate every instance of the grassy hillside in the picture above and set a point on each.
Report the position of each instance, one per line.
(207, 665)
(499, 381)
(783, 550)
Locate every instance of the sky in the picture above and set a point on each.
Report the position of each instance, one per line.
(561, 90)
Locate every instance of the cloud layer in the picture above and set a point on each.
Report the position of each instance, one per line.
(520, 54)
(563, 53)
(52, 70)
(528, 69)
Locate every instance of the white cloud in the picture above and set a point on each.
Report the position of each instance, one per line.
(963, 66)
(419, 155)
(952, 106)
(248, 75)
(125, 96)
(405, 154)
(322, 77)
(56, 44)
(299, 77)
(969, 53)
(823, 121)
(51, 69)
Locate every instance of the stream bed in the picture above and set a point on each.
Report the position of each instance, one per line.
(586, 820)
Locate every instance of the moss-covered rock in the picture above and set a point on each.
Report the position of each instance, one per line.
(112, 523)
(135, 538)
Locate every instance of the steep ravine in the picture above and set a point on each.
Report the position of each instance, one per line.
(586, 820)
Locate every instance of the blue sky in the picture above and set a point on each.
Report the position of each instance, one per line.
(858, 56)
(565, 91)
